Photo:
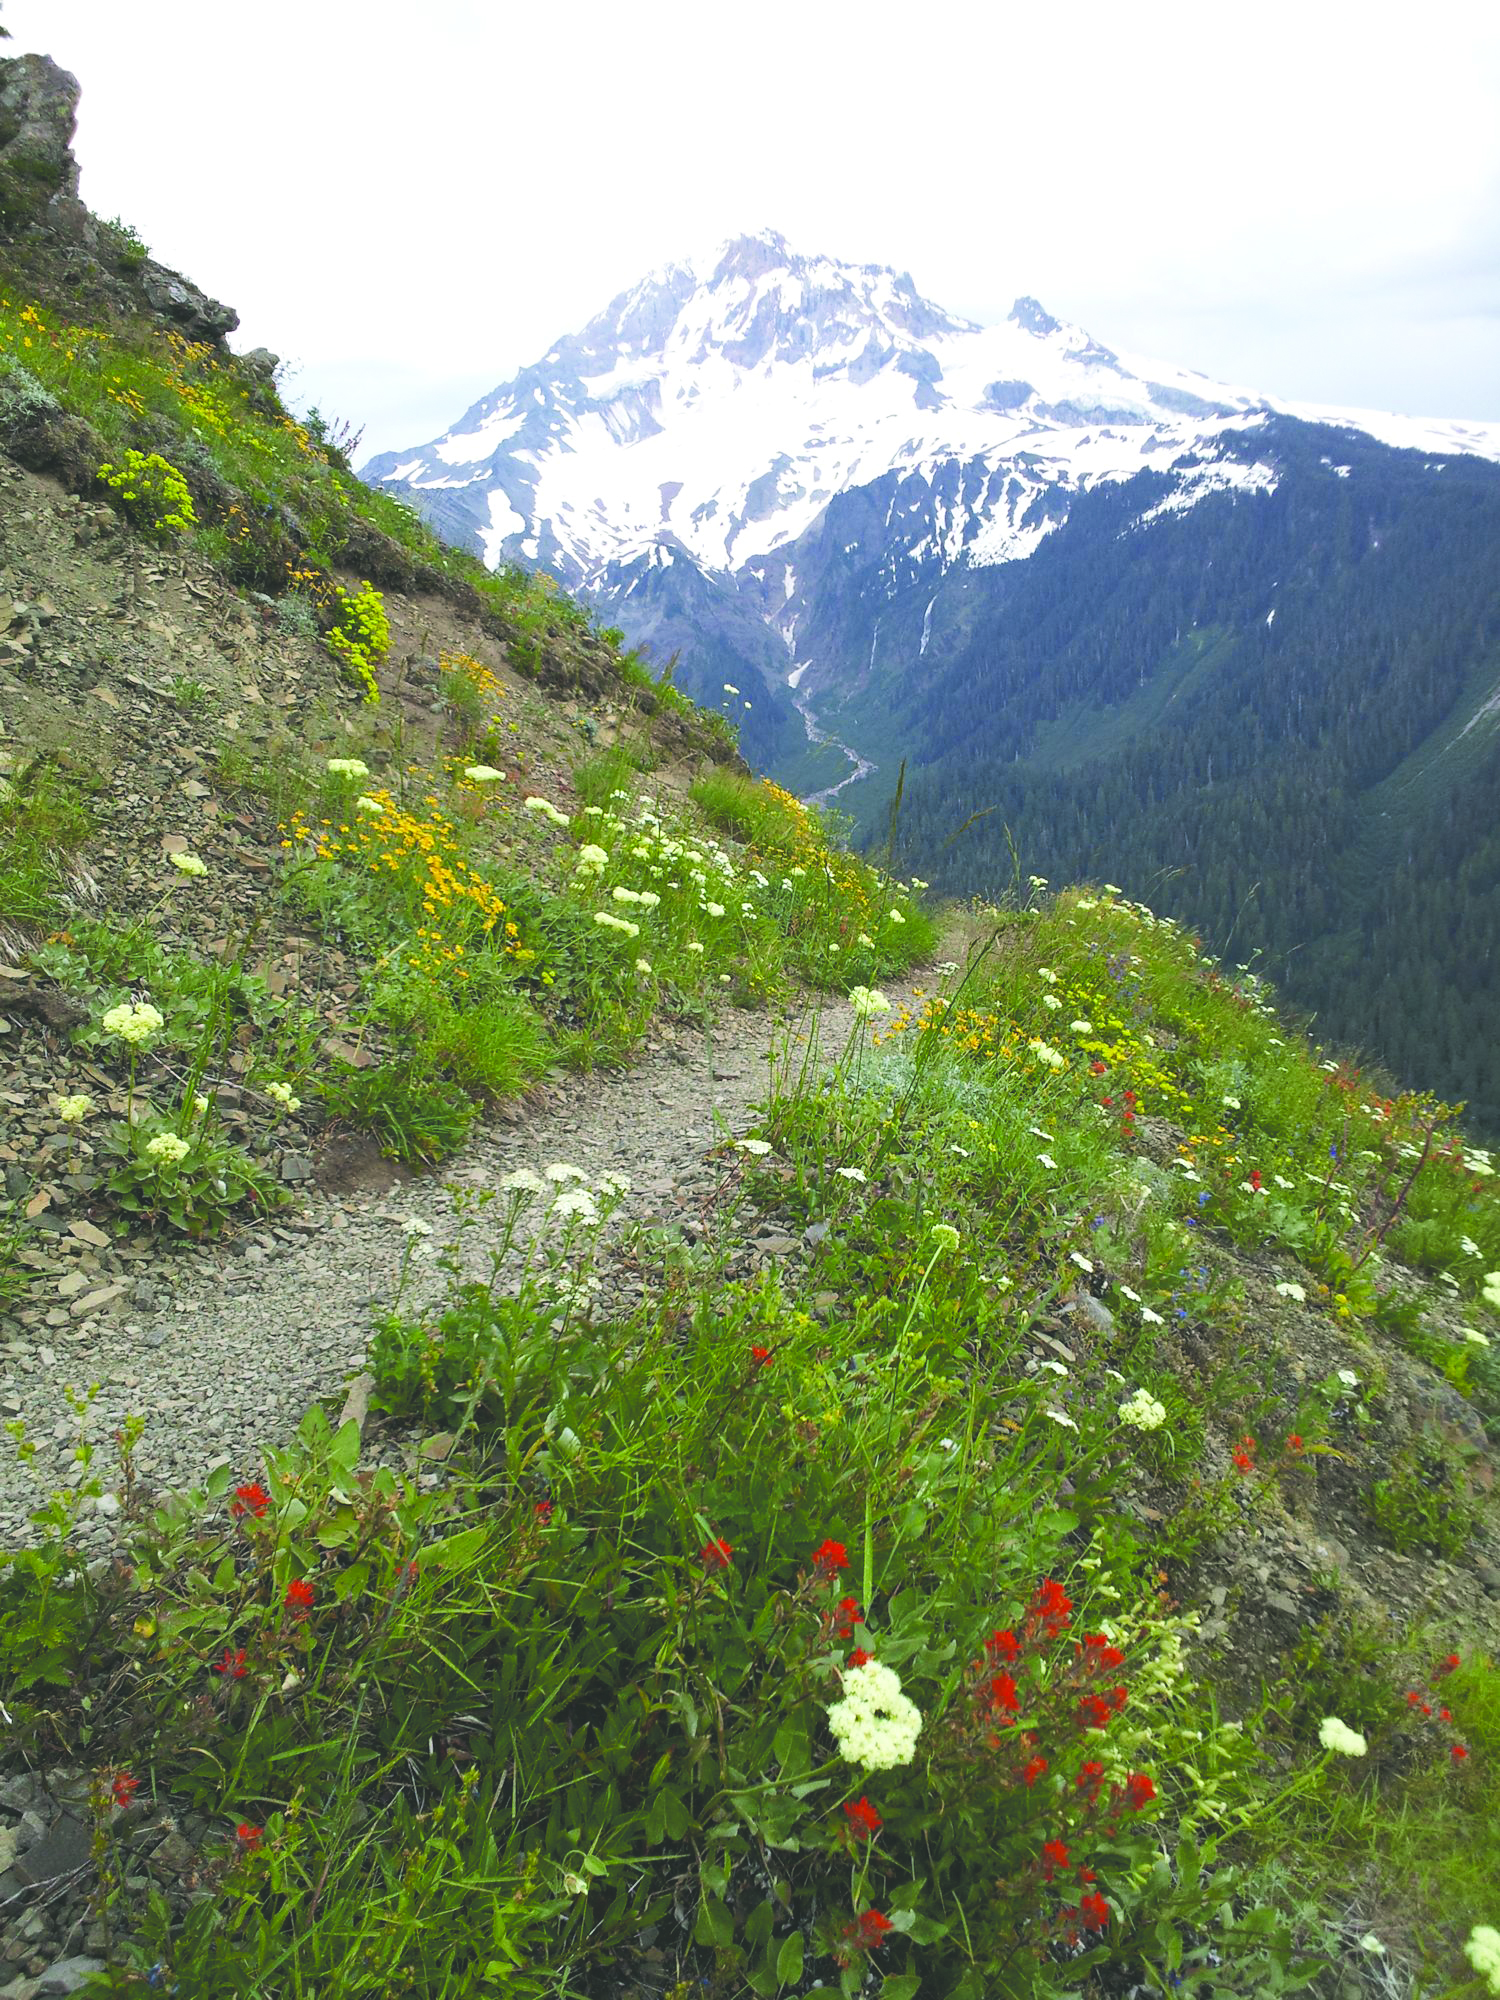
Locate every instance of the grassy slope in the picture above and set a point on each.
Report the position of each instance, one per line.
(560, 1721)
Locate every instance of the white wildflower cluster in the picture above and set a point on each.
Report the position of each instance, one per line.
(1336, 1735)
(571, 1198)
(133, 1021)
(1492, 1289)
(347, 767)
(1143, 1412)
(609, 922)
(167, 1150)
(1045, 1053)
(1479, 1161)
(592, 860)
(756, 1148)
(283, 1094)
(189, 864)
(1289, 1289)
(875, 1726)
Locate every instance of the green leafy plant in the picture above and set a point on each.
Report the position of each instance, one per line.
(415, 1115)
(1424, 1501)
(195, 1191)
(360, 634)
(153, 493)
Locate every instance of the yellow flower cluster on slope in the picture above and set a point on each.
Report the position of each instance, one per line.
(420, 850)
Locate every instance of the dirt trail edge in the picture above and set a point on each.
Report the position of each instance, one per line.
(223, 1353)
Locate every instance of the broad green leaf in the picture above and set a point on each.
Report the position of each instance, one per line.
(789, 1959)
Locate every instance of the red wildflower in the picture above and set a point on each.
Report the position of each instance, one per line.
(1054, 1856)
(543, 1511)
(868, 1931)
(1097, 1068)
(1002, 1646)
(1139, 1791)
(1293, 1442)
(1090, 1778)
(1445, 1715)
(715, 1554)
(1093, 1712)
(1034, 1770)
(1255, 1179)
(1458, 1753)
(1425, 1709)
(1002, 1692)
(863, 1819)
(123, 1788)
(299, 1596)
(1094, 1910)
(1051, 1605)
(1412, 1698)
(1445, 1666)
(231, 1664)
(1244, 1455)
(846, 1617)
(251, 1499)
(860, 1658)
(829, 1558)
(1096, 1650)
(1108, 1103)
(248, 1836)
(761, 1356)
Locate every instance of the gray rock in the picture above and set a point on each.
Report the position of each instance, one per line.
(1094, 1311)
(68, 1975)
(63, 1848)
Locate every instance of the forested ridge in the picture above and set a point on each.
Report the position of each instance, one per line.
(1274, 713)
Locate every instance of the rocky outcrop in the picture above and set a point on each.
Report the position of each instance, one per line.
(42, 216)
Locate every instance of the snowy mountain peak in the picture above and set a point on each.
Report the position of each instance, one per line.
(720, 405)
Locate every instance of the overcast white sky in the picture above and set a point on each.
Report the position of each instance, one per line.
(409, 201)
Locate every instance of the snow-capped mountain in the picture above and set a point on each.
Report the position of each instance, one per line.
(678, 460)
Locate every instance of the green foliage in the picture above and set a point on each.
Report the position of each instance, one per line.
(153, 493)
(1424, 1502)
(360, 634)
(599, 779)
(125, 244)
(194, 1195)
(44, 819)
(416, 1116)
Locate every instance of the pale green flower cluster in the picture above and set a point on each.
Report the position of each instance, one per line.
(189, 864)
(482, 774)
(347, 767)
(1143, 1412)
(1483, 1953)
(1045, 1053)
(133, 1021)
(944, 1235)
(167, 1150)
(73, 1110)
(868, 1001)
(608, 922)
(282, 1092)
(1492, 1289)
(875, 1726)
(1336, 1735)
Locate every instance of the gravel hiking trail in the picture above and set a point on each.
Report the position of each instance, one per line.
(224, 1350)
